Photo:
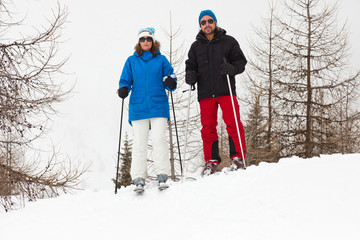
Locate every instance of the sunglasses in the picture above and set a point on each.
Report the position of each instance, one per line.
(210, 21)
(143, 39)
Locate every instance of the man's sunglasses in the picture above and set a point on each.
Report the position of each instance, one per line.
(148, 39)
(210, 21)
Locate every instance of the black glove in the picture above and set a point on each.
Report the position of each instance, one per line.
(227, 69)
(170, 82)
(190, 77)
(123, 92)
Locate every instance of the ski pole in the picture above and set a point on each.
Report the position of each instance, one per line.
(118, 159)
(177, 136)
(187, 121)
(236, 122)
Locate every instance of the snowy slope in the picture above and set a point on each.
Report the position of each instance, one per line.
(294, 199)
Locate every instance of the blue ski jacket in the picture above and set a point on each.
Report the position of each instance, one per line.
(144, 76)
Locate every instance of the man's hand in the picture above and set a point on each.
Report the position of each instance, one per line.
(227, 69)
(191, 77)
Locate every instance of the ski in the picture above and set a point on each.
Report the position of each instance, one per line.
(139, 189)
(162, 186)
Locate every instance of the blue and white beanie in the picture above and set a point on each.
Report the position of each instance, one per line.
(147, 32)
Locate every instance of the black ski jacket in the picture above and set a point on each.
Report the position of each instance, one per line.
(205, 58)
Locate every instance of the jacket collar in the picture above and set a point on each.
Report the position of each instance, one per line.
(218, 34)
(147, 55)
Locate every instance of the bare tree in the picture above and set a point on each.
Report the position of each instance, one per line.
(180, 102)
(32, 179)
(314, 77)
(264, 69)
(265, 64)
(28, 93)
(301, 65)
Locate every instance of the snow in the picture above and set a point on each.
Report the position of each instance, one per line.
(296, 198)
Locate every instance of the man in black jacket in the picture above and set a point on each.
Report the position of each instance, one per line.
(212, 57)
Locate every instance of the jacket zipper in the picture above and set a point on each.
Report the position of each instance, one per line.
(208, 66)
(147, 90)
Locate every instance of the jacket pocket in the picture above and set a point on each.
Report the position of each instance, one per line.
(136, 100)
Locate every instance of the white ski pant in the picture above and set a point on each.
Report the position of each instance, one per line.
(161, 158)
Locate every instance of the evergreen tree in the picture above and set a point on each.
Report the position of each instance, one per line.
(124, 174)
(258, 148)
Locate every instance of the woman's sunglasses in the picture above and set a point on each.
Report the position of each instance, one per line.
(210, 21)
(148, 39)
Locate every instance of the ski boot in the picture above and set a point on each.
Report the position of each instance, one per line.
(236, 164)
(139, 185)
(162, 178)
(210, 168)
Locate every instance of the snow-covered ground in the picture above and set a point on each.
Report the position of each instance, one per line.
(296, 198)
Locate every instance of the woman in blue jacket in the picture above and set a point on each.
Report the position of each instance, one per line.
(146, 75)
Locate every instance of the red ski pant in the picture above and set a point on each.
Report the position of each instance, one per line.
(208, 113)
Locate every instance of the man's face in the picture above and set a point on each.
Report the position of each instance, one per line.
(207, 28)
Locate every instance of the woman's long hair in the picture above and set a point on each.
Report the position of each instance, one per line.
(155, 47)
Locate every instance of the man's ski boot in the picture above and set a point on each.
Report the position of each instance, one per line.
(210, 168)
(139, 185)
(236, 164)
(162, 178)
